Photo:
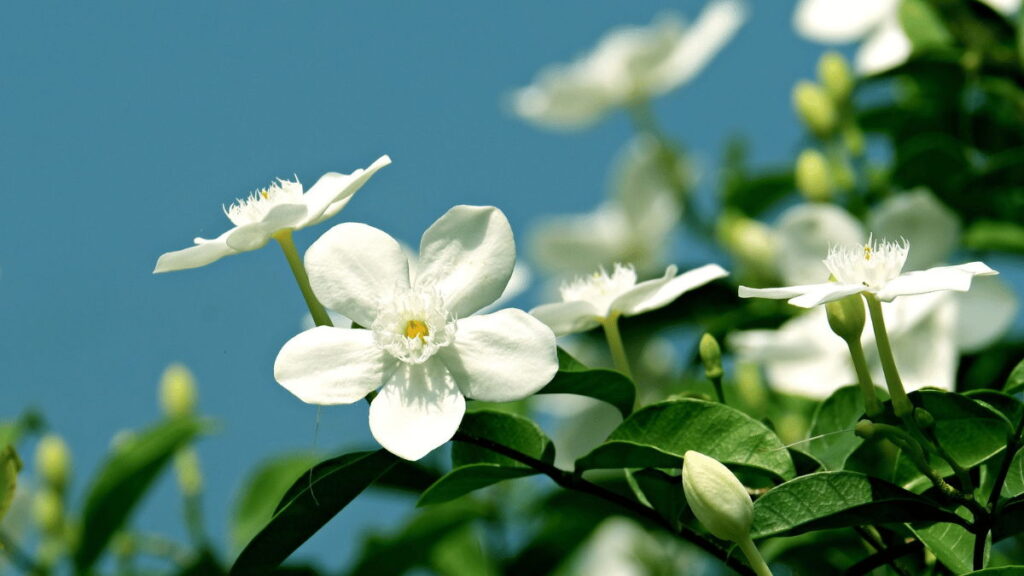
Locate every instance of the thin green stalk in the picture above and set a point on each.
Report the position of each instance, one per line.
(320, 317)
(872, 407)
(900, 402)
(754, 557)
(615, 345)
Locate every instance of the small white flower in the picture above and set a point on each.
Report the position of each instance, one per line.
(423, 348)
(281, 206)
(628, 64)
(717, 497)
(590, 301)
(876, 268)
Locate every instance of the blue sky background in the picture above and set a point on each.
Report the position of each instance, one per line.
(125, 126)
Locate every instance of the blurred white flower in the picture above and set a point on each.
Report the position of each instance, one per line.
(281, 206)
(628, 64)
(877, 21)
(425, 349)
(592, 301)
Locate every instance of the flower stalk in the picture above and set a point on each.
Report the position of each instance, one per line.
(615, 345)
(316, 310)
(900, 401)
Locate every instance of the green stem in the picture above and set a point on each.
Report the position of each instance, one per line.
(900, 402)
(872, 407)
(716, 381)
(615, 345)
(754, 557)
(320, 317)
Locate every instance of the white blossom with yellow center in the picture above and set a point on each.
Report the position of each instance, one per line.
(591, 301)
(424, 347)
(281, 206)
(876, 268)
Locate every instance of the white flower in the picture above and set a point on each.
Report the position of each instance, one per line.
(281, 206)
(717, 497)
(842, 21)
(423, 348)
(876, 268)
(628, 64)
(591, 301)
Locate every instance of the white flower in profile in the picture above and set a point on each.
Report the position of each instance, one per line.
(628, 64)
(600, 298)
(423, 348)
(886, 45)
(281, 206)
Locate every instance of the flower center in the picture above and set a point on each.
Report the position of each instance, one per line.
(413, 323)
(600, 288)
(872, 264)
(255, 207)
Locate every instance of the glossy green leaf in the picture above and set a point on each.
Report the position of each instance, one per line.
(839, 499)
(604, 385)
(515, 432)
(658, 436)
(1003, 403)
(663, 491)
(1007, 519)
(1014, 485)
(309, 504)
(122, 480)
(952, 544)
(1000, 571)
(1015, 383)
(923, 26)
(832, 434)
(970, 432)
(261, 493)
(465, 479)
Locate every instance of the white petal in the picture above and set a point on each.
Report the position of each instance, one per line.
(333, 191)
(782, 292)
(887, 48)
(419, 409)
(805, 233)
(253, 236)
(932, 229)
(653, 294)
(582, 243)
(352, 266)
(501, 357)
(926, 354)
(984, 313)
(203, 253)
(518, 283)
(468, 255)
(828, 292)
(715, 26)
(934, 279)
(840, 21)
(331, 365)
(568, 317)
(1004, 6)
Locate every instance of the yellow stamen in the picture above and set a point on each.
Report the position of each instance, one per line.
(265, 194)
(867, 252)
(416, 329)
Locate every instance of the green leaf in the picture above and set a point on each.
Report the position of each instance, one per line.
(1015, 383)
(924, 27)
(970, 432)
(462, 553)
(10, 465)
(264, 488)
(1007, 518)
(658, 436)
(663, 491)
(1000, 571)
(121, 482)
(836, 500)
(1005, 404)
(309, 504)
(509, 430)
(1014, 485)
(465, 479)
(604, 385)
(989, 235)
(832, 428)
(952, 544)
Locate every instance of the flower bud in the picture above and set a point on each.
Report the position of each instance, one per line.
(190, 477)
(812, 178)
(923, 418)
(48, 511)
(53, 461)
(864, 428)
(853, 139)
(711, 356)
(717, 498)
(177, 391)
(846, 317)
(814, 107)
(834, 73)
(752, 242)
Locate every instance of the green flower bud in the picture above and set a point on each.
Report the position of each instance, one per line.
(865, 429)
(717, 498)
(834, 73)
(53, 461)
(853, 139)
(48, 511)
(923, 418)
(814, 107)
(711, 356)
(752, 242)
(812, 177)
(190, 477)
(177, 391)
(846, 317)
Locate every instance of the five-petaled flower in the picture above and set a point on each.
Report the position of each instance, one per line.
(281, 206)
(592, 301)
(873, 268)
(423, 347)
